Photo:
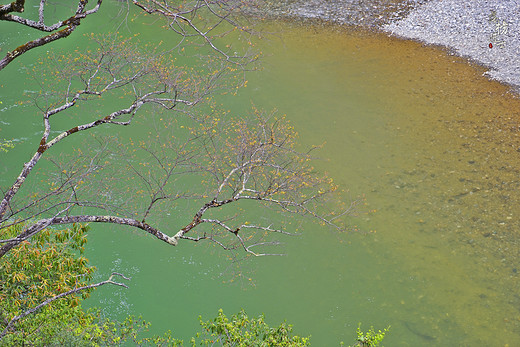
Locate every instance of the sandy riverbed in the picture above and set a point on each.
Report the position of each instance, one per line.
(486, 32)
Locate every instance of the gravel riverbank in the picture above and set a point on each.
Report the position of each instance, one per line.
(367, 13)
(485, 31)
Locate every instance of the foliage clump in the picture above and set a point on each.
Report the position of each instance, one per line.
(371, 338)
(52, 263)
(240, 330)
(6, 145)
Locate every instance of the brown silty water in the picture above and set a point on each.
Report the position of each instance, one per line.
(435, 147)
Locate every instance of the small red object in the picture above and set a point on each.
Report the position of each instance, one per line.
(490, 45)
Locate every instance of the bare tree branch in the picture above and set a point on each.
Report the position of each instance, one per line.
(70, 25)
(245, 161)
(220, 17)
(15, 6)
(44, 223)
(108, 59)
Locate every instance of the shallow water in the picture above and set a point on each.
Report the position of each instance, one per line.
(434, 145)
(431, 144)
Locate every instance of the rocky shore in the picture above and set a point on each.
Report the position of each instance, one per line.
(484, 31)
(372, 14)
(487, 32)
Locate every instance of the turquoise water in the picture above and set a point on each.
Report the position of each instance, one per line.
(421, 135)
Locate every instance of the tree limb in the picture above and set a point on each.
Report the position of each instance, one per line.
(15, 6)
(70, 25)
(44, 223)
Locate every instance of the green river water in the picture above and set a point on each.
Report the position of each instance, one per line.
(431, 144)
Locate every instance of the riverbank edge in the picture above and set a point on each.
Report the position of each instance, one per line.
(483, 33)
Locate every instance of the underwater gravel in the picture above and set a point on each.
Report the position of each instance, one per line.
(366, 13)
(467, 28)
(485, 31)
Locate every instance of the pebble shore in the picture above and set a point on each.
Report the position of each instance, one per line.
(365, 13)
(484, 31)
